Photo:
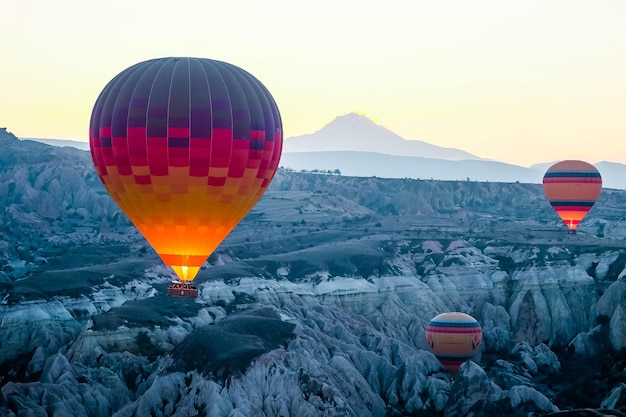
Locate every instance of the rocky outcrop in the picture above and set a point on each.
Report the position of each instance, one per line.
(316, 304)
(52, 199)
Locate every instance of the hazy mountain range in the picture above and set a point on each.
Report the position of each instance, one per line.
(62, 142)
(357, 146)
(354, 132)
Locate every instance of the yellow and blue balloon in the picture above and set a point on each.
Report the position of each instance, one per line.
(453, 338)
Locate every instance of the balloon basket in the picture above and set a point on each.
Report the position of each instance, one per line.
(571, 231)
(182, 290)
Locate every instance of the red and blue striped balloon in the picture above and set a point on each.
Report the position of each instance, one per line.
(572, 188)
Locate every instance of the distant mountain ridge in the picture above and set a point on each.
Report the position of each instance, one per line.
(62, 142)
(353, 132)
(357, 146)
(369, 164)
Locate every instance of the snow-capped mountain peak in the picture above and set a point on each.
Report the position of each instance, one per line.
(355, 132)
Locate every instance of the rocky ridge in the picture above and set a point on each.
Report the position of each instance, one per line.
(315, 305)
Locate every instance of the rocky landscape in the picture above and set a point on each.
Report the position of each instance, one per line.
(316, 305)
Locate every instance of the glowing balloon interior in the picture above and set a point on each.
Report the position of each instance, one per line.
(185, 147)
(453, 338)
(572, 188)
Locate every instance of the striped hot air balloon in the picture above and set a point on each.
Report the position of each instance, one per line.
(572, 187)
(453, 338)
(185, 147)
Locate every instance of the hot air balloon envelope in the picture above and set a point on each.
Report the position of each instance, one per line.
(453, 338)
(185, 147)
(572, 188)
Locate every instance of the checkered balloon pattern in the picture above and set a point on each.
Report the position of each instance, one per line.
(185, 147)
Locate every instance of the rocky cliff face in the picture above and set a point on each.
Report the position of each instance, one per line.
(315, 305)
(51, 200)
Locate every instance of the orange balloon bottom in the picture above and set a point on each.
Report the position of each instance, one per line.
(572, 217)
(184, 218)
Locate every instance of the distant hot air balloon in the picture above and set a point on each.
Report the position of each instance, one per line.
(453, 338)
(186, 147)
(572, 187)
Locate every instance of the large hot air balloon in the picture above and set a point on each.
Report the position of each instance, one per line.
(572, 187)
(453, 338)
(185, 147)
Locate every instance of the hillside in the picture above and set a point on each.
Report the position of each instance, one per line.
(316, 304)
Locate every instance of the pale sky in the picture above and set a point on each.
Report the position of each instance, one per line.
(516, 81)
